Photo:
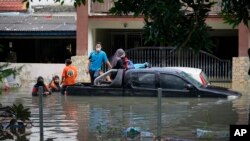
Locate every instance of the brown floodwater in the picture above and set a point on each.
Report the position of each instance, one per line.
(76, 118)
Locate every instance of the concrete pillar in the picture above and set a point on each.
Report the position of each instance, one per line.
(240, 78)
(82, 30)
(243, 33)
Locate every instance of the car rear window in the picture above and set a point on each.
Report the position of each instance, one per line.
(205, 78)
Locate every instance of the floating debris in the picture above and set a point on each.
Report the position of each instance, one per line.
(175, 139)
(202, 133)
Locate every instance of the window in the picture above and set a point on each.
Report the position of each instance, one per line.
(172, 82)
(145, 80)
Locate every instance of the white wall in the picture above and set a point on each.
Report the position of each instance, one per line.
(31, 71)
(91, 39)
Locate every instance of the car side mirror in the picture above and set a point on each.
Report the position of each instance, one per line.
(190, 87)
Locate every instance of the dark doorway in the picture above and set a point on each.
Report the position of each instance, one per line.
(126, 40)
(39, 50)
(226, 47)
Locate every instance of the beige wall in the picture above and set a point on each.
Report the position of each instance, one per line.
(240, 77)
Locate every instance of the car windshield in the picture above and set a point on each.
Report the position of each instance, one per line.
(191, 79)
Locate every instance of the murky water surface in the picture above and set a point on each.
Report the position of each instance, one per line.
(74, 118)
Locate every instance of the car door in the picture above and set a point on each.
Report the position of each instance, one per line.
(175, 86)
(143, 84)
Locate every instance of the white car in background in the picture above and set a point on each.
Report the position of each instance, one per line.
(10, 81)
(196, 73)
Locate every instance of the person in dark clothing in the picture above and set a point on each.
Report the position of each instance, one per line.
(11, 56)
(119, 60)
(40, 82)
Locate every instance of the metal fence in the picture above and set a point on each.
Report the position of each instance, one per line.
(216, 69)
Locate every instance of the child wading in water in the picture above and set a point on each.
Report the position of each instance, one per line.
(54, 85)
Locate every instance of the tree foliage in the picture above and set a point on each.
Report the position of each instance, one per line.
(14, 121)
(179, 23)
(235, 11)
(171, 22)
(21, 112)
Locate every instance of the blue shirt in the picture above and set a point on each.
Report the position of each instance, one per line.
(96, 60)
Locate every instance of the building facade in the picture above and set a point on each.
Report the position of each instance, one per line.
(54, 32)
(46, 29)
(95, 24)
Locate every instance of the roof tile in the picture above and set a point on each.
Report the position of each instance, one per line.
(12, 5)
(37, 23)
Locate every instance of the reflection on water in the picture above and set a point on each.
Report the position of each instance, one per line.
(75, 118)
(226, 85)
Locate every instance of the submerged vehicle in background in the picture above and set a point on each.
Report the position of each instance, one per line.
(196, 73)
(10, 81)
(145, 82)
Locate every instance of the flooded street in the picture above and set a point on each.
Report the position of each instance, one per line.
(76, 118)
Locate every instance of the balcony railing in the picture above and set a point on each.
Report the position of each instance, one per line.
(103, 8)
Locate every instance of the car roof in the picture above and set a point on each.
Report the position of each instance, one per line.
(188, 69)
(159, 69)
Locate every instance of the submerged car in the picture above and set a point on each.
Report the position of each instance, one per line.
(145, 82)
(11, 81)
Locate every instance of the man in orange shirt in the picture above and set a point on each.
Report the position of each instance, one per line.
(69, 75)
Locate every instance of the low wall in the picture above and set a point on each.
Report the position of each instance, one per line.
(81, 63)
(30, 71)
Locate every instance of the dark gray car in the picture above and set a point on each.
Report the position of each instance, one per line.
(145, 82)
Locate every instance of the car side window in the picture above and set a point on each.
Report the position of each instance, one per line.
(144, 80)
(168, 81)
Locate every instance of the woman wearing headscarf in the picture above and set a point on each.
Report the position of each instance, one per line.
(119, 60)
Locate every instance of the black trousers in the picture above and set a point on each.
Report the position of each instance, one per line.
(63, 89)
(93, 75)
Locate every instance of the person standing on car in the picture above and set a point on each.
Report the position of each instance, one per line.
(96, 59)
(69, 75)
